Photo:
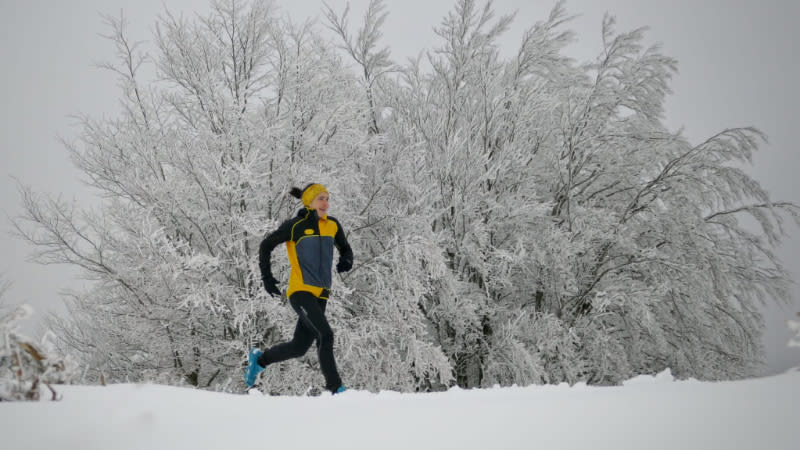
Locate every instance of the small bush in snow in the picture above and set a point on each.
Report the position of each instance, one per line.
(25, 368)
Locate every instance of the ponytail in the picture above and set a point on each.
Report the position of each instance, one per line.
(296, 192)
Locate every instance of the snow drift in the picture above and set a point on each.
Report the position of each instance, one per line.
(647, 412)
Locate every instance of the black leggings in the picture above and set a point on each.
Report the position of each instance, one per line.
(311, 325)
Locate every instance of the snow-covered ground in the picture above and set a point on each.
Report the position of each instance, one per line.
(647, 412)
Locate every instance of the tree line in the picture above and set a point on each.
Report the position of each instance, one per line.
(515, 220)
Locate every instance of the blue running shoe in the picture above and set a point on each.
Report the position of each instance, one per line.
(253, 368)
(340, 390)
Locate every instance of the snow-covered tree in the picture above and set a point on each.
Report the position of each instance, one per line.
(584, 240)
(193, 173)
(515, 220)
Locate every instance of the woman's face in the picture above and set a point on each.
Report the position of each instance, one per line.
(320, 203)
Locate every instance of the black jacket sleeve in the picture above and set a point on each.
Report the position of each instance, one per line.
(279, 236)
(345, 252)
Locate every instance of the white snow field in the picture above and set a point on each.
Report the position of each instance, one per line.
(647, 412)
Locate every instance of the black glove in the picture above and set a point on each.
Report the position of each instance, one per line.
(344, 265)
(271, 286)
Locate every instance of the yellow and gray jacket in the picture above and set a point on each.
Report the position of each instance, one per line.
(310, 240)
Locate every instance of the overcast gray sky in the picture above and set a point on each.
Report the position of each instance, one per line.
(736, 60)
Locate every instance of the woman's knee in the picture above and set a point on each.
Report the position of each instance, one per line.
(299, 348)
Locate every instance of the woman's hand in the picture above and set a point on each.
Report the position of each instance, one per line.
(271, 286)
(344, 265)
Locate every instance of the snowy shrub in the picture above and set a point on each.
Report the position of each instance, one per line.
(794, 327)
(27, 369)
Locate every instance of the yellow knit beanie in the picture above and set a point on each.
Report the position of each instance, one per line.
(309, 193)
